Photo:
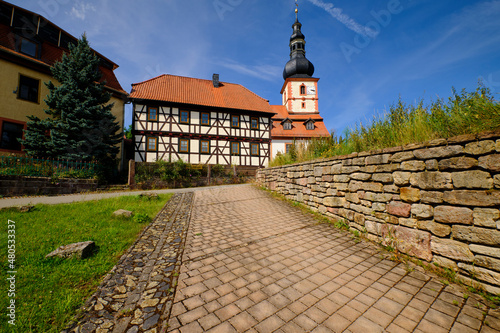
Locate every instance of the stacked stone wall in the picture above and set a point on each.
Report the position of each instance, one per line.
(437, 201)
(20, 185)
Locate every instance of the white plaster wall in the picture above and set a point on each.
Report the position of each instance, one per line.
(296, 105)
(279, 146)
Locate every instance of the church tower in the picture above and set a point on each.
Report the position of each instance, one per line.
(297, 119)
(300, 90)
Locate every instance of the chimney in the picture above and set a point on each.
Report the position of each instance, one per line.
(215, 80)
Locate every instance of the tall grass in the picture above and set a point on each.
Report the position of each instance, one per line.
(463, 113)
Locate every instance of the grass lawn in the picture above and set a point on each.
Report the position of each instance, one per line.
(49, 291)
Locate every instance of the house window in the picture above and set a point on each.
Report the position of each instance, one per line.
(11, 134)
(205, 146)
(254, 123)
(310, 125)
(28, 89)
(287, 125)
(27, 47)
(184, 145)
(254, 149)
(184, 117)
(303, 105)
(235, 148)
(205, 118)
(152, 144)
(302, 89)
(288, 146)
(235, 121)
(152, 114)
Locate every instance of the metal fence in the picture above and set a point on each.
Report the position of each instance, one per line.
(34, 167)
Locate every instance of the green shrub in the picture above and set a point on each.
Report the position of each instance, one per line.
(218, 170)
(142, 218)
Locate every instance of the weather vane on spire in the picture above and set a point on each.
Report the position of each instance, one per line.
(297, 10)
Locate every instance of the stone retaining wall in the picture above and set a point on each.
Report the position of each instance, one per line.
(19, 185)
(438, 201)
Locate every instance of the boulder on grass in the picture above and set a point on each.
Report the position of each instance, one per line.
(150, 196)
(26, 209)
(80, 250)
(123, 212)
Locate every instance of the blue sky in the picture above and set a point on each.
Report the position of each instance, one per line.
(366, 53)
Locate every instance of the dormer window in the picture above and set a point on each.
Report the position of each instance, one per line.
(27, 47)
(287, 125)
(310, 125)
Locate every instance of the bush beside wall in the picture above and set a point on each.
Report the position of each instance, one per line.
(437, 201)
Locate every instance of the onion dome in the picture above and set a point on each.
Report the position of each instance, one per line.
(298, 65)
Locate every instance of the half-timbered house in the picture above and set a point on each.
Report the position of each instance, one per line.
(200, 122)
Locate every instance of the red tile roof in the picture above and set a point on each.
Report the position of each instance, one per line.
(299, 130)
(298, 124)
(186, 90)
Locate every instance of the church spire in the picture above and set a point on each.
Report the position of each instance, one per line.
(298, 66)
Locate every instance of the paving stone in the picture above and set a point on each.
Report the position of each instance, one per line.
(262, 310)
(227, 312)
(363, 324)
(243, 321)
(378, 317)
(393, 328)
(209, 321)
(223, 328)
(239, 265)
(337, 323)
(439, 318)
(459, 328)
(469, 321)
(427, 326)
(305, 322)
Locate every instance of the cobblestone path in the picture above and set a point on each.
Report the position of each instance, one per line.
(238, 260)
(137, 295)
(255, 264)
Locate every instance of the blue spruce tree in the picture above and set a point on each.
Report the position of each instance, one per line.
(81, 125)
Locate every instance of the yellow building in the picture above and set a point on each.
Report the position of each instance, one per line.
(29, 46)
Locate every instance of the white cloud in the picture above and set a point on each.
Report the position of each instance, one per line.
(351, 24)
(265, 72)
(464, 35)
(80, 10)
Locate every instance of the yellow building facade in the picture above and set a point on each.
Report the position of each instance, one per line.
(26, 55)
